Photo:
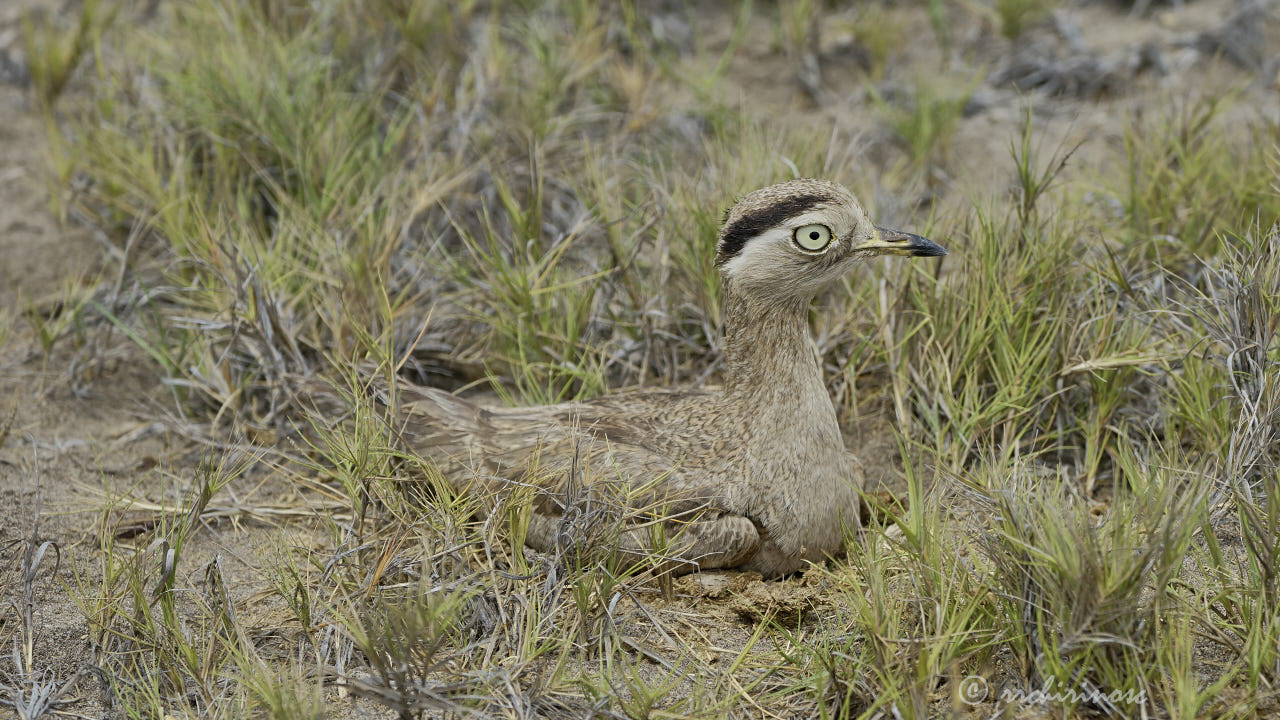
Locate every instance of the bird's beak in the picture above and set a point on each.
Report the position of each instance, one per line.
(896, 242)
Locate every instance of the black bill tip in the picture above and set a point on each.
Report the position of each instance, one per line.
(924, 247)
(905, 243)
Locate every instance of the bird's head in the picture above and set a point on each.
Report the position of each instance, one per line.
(795, 238)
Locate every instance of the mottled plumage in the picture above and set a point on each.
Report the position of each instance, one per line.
(754, 475)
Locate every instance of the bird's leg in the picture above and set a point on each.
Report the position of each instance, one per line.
(706, 543)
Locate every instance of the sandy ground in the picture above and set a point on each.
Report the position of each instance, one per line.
(60, 448)
(64, 439)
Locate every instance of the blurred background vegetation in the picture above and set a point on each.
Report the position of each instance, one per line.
(1074, 418)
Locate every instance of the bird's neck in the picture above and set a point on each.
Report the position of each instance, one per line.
(768, 352)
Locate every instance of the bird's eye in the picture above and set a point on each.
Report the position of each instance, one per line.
(812, 238)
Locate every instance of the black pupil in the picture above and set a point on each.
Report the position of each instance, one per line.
(813, 235)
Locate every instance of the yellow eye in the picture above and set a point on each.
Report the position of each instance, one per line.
(813, 237)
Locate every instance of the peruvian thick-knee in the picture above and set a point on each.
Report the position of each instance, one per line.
(752, 475)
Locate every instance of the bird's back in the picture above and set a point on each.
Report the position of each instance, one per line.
(605, 473)
(667, 441)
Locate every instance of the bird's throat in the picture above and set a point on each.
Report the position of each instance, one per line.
(768, 351)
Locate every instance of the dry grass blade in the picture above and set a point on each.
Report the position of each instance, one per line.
(33, 692)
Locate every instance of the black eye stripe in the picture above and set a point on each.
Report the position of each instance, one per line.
(736, 235)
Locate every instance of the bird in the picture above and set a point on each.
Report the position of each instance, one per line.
(752, 475)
